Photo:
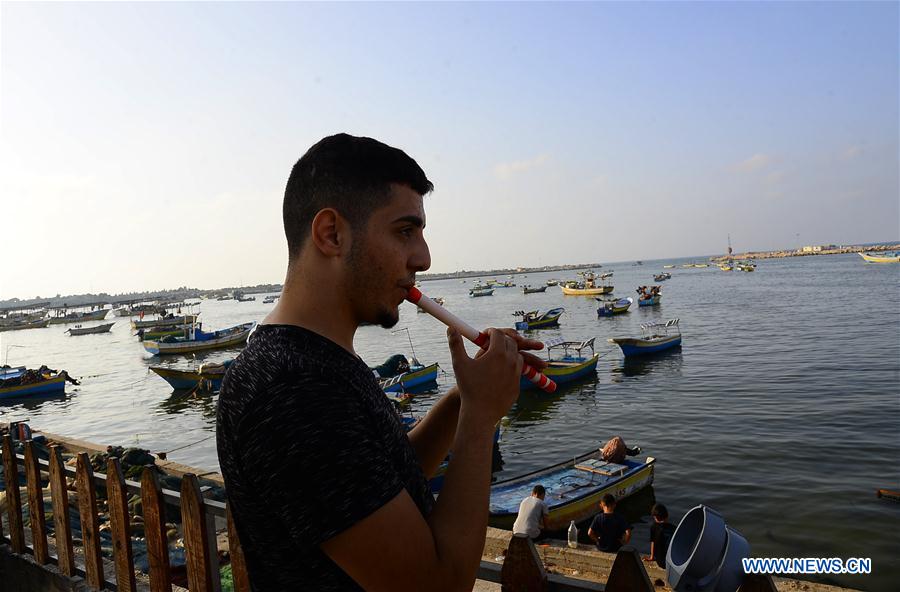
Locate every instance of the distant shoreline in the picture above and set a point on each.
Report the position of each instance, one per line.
(81, 300)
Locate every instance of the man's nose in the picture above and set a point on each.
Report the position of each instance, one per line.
(421, 259)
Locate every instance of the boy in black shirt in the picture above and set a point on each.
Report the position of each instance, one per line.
(609, 530)
(660, 534)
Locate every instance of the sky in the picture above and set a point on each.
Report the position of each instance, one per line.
(146, 146)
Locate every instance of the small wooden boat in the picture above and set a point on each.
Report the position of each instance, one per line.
(887, 494)
(648, 295)
(881, 258)
(79, 317)
(270, 299)
(552, 282)
(668, 267)
(662, 276)
(533, 320)
(155, 333)
(198, 340)
(18, 325)
(207, 377)
(22, 382)
(167, 321)
(79, 330)
(417, 376)
(589, 287)
(657, 337)
(610, 308)
(574, 488)
(477, 292)
(569, 367)
(530, 290)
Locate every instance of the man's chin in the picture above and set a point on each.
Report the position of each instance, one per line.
(387, 320)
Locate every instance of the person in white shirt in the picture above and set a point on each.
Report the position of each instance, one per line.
(533, 511)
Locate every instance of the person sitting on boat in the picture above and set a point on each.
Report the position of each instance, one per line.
(326, 489)
(609, 530)
(660, 534)
(533, 512)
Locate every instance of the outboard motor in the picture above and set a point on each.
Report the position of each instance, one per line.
(705, 554)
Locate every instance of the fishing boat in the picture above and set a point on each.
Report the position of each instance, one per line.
(199, 340)
(668, 267)
(270, 299)
(591, 286)
(745, 266)
(881, 258)
(656, 337)
(529, 290)
(206, 377)
(661, 277)
(17, 325)
(417, 376)
(439, 301)
(22, 382)
(609, 308)
(648, 296)
(481, 291)
(156, 333)
(78, 317)
(574, 488)
(79, 330)
(534, 320)
(164, 321)
(552, 282)
(568, 367)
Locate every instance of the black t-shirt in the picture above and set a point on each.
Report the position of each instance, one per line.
(308, 445)
(609, 529)
(660, 535)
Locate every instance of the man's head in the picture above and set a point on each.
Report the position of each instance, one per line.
(608, 502)
(538, 491)
(353, 210)
(659, 513)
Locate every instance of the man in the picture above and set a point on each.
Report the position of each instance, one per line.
(327, 490)
(660, 534)
(533, 512)
(609, 530)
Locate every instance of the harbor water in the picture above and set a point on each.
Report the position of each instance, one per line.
(781, 410)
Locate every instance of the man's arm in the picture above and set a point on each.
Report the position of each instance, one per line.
(592, 535)
(395, 548)
(432, 437)
(627, 536)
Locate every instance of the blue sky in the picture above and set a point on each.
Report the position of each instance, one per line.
(146, 145)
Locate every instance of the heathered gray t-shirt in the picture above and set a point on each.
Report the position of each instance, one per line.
(309, 446)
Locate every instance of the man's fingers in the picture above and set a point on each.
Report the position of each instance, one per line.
(533, 361)
(457, 347)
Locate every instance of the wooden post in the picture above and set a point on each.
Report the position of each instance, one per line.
(60, 497)
(628, 573)
(758, 583)
(90, 525)
(155, 531)
(11, 475)
(117, 496)
(36, 505)
(193, 519)
(238, 563)
(522, 569)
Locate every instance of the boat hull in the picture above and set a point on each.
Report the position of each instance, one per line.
(880, 258)
(55, 385)
(618, 307)
(28, 325)
(185, 320)
(159, 348)
(188, 379)
(104, 328)
(411, 380)
(586, 291)
(563, 506)
(563, 372)
(650, 301)
(97, 315)
(639, 347)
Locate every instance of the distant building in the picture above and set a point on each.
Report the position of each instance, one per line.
(811, 249)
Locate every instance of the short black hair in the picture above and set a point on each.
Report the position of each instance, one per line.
(538, 489)
(608, 500)
(659, 511)
(351, 174)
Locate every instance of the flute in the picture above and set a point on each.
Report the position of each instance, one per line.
(479, 338)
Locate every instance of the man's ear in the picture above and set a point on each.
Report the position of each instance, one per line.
(330, 232)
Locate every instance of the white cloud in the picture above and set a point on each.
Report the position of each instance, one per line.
(754, 163)
(506, 170)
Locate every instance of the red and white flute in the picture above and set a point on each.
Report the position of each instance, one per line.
(477, 337)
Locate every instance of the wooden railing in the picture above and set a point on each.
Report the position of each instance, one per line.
(521, 571)
(198, 516)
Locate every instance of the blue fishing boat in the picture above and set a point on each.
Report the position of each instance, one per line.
(534, 320)
(574, 488)
(206, 377)
(22, 382)
(648, 295)
(418, 375)
(568, 367)
(199, 340)
(656, 337)
(610, 308)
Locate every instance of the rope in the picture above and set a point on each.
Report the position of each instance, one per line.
(189, 445)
